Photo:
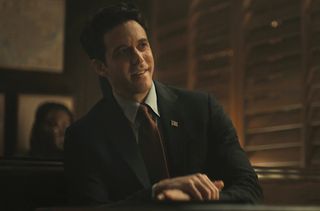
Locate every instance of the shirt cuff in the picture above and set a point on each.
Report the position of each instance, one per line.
(153, 191)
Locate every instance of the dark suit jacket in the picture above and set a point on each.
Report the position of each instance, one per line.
(103, 163)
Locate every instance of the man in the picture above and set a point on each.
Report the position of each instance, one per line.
(145, 140)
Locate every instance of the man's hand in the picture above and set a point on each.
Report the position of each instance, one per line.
(196, 186)
(173, 195)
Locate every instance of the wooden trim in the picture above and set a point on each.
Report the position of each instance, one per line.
(272, 146)
(274, 128)
(287, 173)
(313, 123)
(163, 30)
(192, 62)
(271, 109)
(304, 115)
(277, 164)
(316, 143)
(238, 72)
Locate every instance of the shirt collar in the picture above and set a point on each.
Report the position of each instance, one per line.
(130, 108)
(151, 100)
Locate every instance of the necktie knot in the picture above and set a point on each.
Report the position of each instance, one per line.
(144, 114)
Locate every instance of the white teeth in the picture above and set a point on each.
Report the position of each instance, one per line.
(139, 73)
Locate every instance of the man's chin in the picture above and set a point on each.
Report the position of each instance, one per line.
(142, 88)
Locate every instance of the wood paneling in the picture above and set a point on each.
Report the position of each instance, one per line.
(170, 26)
(273, 92)
(211, 52)
(313, 85)
(260, 59)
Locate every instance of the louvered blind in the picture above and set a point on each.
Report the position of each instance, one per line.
(261, 59)
(273, 79)
(211, 49)
(170, 33)
(313, 85)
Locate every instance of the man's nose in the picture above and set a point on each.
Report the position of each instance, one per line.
(137, 57)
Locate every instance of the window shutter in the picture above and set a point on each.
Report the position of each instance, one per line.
(313, 86)
(211, 49)
(273, 79)
(170, 33)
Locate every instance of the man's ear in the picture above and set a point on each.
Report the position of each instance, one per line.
(99, 67)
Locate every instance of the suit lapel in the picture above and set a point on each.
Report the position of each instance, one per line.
(119, 132)
(173, 129)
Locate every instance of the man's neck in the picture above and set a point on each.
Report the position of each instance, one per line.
(140, 97)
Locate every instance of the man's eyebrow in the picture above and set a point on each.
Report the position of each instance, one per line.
(119, 47)
(125, 46)
(143, 40)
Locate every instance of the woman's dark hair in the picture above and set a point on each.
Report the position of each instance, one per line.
(105, 20)
(40, 147)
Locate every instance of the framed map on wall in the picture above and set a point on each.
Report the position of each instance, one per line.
(32, 35)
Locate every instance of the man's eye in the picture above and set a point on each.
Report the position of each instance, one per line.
(123, 51)
(143, 46)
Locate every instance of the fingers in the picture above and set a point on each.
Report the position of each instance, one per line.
(176, 195)
(219, 184)
(197, 186)
(161, 197)
(185, 184)
(212, 192)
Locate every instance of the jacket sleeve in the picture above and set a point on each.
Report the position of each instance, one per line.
(227, 161)
(85, 181)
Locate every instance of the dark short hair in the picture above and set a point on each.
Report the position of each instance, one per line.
(105, 20)
(45, 108)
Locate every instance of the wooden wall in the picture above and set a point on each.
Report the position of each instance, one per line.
(260, 59)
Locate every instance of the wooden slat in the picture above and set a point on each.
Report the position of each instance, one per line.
(171, 10)
(170, 30)
(269, 34)
(272, 109)
(272, 146)
(273, 128)
(314, 133)
(314, 114)
(269, 50)
(274, 99)
(276, 137)
(163, 31)
(277, 155)
(277, 164)
(172, 43)
(209, 5)
(272, 119)
(315, 155)
(263, 15)
(172, 57)
(273, 82)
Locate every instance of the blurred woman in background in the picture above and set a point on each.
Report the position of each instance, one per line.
(47, 135)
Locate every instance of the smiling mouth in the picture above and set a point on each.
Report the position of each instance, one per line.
(139, 73)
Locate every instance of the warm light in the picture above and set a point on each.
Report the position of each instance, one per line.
(274, 24)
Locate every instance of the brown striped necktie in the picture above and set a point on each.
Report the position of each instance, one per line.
(151, 145)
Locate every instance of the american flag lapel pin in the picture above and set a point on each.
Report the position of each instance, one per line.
(174, 123)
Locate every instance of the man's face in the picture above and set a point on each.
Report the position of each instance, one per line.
(129, 63)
